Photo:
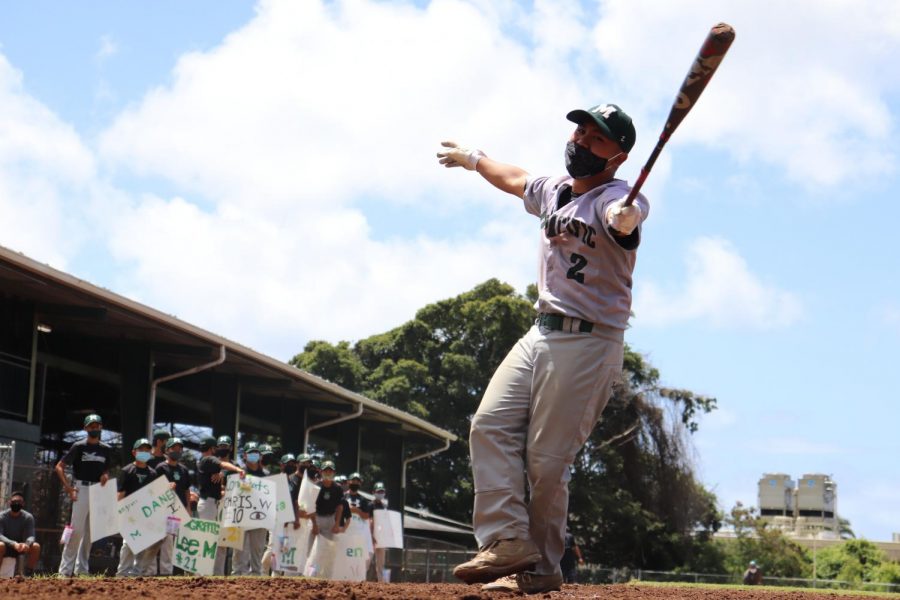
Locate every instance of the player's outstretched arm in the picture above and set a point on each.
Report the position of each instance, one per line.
(509, 178)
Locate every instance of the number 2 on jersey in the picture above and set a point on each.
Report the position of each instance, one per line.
(578, 263)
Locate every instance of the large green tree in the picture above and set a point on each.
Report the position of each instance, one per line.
(634, 498)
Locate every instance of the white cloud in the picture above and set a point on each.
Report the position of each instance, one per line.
(45, 171)
(108, 48)
(803, 86)
(718, 288)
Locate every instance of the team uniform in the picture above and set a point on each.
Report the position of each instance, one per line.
(545, 397)
(181, 477)
(360, 524)
(380, 553)
(210, 493)
(549, 391)
(89, 462)
(248, 560)
(131, 479)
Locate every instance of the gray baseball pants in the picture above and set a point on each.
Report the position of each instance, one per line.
(77, 551)
(537, 412)
(248, 560)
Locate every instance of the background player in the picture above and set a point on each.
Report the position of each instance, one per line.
(549, 391)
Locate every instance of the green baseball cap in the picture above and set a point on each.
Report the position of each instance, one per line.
(327, 464)
(161, 434)
(92, 418)
(612, 121)
(174, 441)
(250, 446)
(304, 458)
(266, 449)
(224, 440)
(355, 476)
(288, 458)
(141, 442)
(378, 487)
(207, 443)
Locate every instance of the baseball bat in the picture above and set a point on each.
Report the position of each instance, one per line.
(704, 66)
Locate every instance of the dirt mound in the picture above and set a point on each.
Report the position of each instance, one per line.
(283, 588)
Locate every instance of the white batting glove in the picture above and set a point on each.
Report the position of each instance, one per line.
(623, 218)
(455, 156)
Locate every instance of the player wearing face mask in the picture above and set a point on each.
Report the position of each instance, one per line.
(248, 560)
(89, 459)
(133, 477)
(17, 532)
(209, 481)
(177, 474)
(379, 502)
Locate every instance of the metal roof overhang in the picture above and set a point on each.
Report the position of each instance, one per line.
(77, 307)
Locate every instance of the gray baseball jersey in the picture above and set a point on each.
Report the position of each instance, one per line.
(584, 271)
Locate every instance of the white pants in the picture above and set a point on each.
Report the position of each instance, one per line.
(536, 414)
(77, 551)
(248, 560)
(379, 563)
(142, 564)
(208, 508)
(166, 551)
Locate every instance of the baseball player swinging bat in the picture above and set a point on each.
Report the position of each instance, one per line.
(711, 54)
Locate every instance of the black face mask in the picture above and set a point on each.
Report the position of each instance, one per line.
(15, 506)
(94, 434)
(267, 460)
(174, 454)
(222, 452)
(581, 163)
(193, 506)
(289, 470)
(354, 487)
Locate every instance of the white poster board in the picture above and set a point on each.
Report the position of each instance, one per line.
(249, 503)
(231, 537)
(309, 491)
(143, 515)
(290, 547)
(349, 558)
(388, 529)
(103, 503)
(284, 511)
(195, 546)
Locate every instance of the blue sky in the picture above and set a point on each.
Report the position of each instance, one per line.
(267, 171)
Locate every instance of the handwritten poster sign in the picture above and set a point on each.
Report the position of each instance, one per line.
(349, 558)
(291, 545)
(388, 529)
(231, 537)
(249, 503)
(284, 512)
(195, 546)
(103, 500)
(309, 491)
(144, 514)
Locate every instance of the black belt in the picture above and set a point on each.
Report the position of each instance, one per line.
(558, 323)
(85, 482)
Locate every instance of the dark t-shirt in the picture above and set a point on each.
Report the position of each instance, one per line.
(568, 561)
(357, 501)
(206, 468)
(329, 499)
(181, 476)
(294, 482)
(89, 461)
(156, 461)
(132, 478)
(379, 504)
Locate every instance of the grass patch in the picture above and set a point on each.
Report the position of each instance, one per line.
(766, 588)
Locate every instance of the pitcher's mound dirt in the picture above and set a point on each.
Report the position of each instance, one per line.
(278, 588)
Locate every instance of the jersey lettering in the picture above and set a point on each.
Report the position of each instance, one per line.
(578, 263)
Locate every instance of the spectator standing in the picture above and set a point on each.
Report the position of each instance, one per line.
(571, 558)
(379, 503)
(179, 475)
(248, 560)
(209, 481)
(133, 477)
(89, 459)
(753, 574)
